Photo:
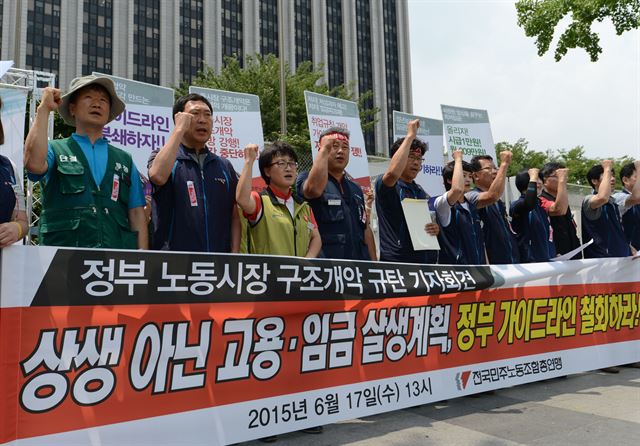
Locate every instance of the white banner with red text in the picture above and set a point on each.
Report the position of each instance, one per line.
(113, 347)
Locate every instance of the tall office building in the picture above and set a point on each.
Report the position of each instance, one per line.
(165, 42)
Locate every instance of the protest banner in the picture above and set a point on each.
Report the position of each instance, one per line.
(236, 123)
(145, 124)
(430, 132)
(14, 105)
(324, 112)
(467, 129)
(133, 347)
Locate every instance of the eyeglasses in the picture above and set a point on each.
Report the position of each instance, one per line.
(490, 168)
(416, 158)
(282, 164)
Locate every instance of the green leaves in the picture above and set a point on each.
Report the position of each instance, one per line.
(539, 19)
(260, 75)
(574, 159)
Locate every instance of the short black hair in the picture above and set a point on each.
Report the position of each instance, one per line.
(595, 173)
(276, 148)
(549, 169)
(416, 144)
(627, 171)
(475, 161)
(522, 180)
(182, 102)
(447, 172)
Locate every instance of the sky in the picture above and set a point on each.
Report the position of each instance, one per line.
(473, 54)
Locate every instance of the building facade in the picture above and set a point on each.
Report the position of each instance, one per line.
(165, 42)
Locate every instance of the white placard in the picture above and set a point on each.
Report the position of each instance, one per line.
(324, 112)
(145, 124)
(236, 123)
(430, 132)
(467, 129)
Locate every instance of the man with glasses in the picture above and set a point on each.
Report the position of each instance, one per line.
(398, 183)
(499, 238)
(554, 199)
(194, 207)
(337, 201)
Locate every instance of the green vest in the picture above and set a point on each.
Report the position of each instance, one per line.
(78, 212)
(277, 232)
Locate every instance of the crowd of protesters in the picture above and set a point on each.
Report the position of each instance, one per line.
(93, 196)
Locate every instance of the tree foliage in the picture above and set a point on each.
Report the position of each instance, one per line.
(261, 76)
(539, 18)
(574, 159)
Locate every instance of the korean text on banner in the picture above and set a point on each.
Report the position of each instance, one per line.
(468, 130)
(183, 348)
(146, 122)
(14, 105)
(430, 132)
(236, 124)
(324, 112)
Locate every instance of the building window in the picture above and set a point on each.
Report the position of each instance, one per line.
(365, 68)
(146, 41)
(302, 21)
(335, 60)
(232, 29)
(43, 38)
(269, 27)
(97, 35)
(191, 38)
(1, 16)
(391, 61)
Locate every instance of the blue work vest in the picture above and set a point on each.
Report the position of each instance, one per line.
(533, 233)
(461, 242)
(608, 236)
(500, 241)
(201, 223)
(341, 217)
(631, 224)
(395, 240)
(7, 194)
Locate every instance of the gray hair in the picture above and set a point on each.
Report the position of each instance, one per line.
(342, 130)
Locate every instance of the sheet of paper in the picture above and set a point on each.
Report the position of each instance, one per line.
(570, 254)
(417, 215)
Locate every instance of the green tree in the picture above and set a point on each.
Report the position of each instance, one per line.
(539, 19)
(523, 157)
(261, 76)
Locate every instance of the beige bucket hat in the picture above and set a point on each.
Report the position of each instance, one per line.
(117, 106)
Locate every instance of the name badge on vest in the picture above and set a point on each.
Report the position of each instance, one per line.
(115, 188)
(192, 194)
(334, 202)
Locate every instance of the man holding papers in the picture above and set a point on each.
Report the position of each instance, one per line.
(396, 184)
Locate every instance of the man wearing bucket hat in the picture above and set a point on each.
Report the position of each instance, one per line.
(92, 194)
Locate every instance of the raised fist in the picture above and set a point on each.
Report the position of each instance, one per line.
(505, 156)
(51, 99)
(251, 152)
(183, 121)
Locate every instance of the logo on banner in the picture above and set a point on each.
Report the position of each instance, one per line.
(462, 378)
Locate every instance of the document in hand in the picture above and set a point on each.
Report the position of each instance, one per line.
(416, 214)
